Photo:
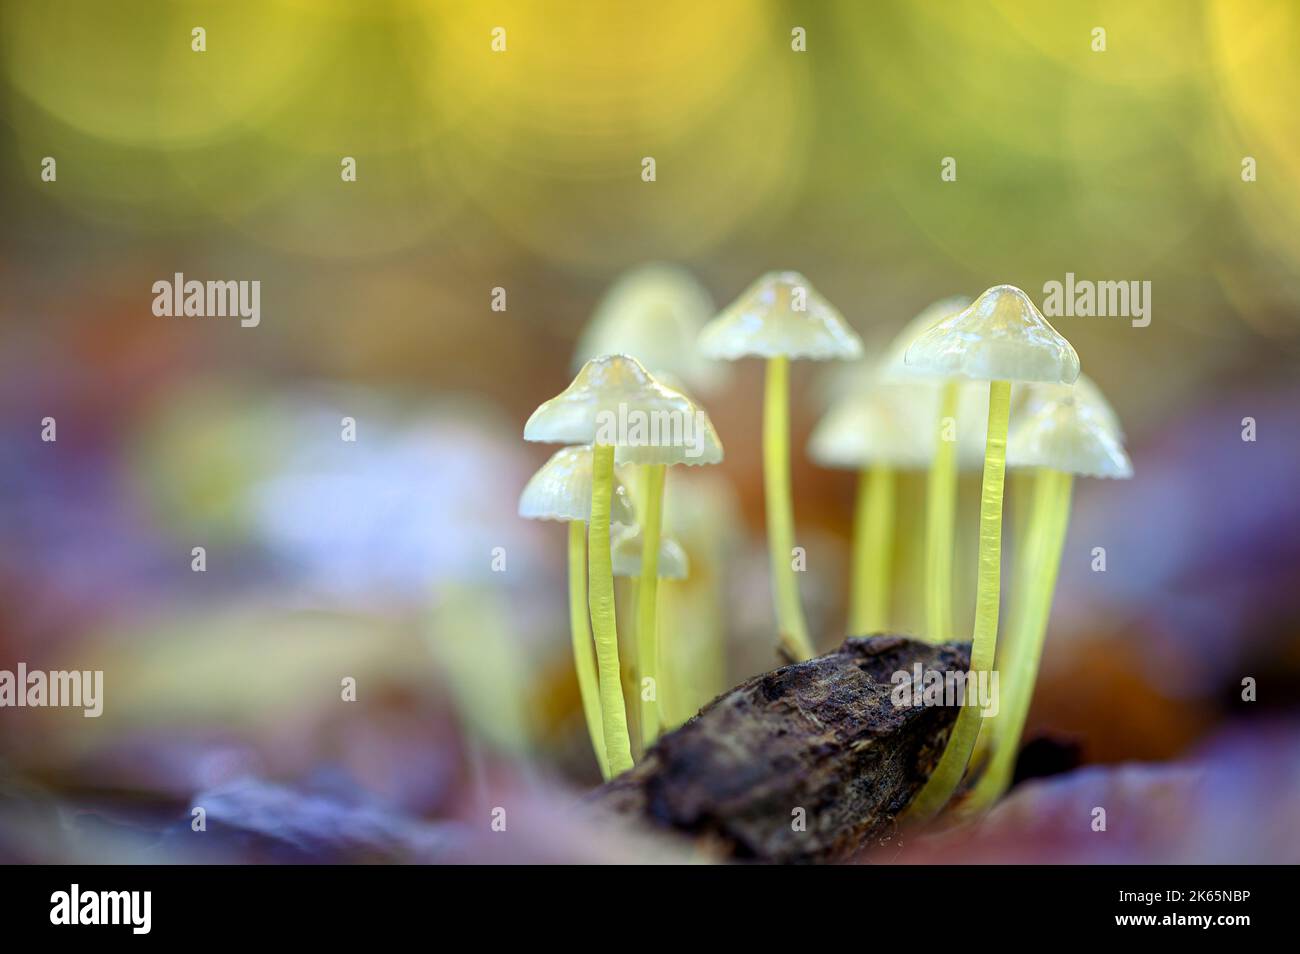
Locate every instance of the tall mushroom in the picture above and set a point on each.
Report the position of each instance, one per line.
(941, 484)
(615, 403)
(561, 490)
(1000, 338)
(654, 312)
(875, 432)
(778, 318)
(1063, 436)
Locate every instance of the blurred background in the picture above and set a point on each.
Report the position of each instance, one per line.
(376, 560)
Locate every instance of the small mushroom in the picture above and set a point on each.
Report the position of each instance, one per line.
(615, 404)
(1069, 435)
(655, 312)
(1028, 400)
(1084, 392)
(875, 432)
(1001, 337)
(1063, 437)
(941, 483)
(628, 544)
(778, 318)
(655, 458)
(561, 490)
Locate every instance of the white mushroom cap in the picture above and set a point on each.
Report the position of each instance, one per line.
(780, 314)
(655, 312)
(561, 490)
(1002, 336)
(625, 551)
(615, 400)
(891, 423)
(1062, 436)
(1084, 392)
(893, 363)
(896, 422)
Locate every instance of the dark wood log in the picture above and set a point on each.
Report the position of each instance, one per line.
(823, 736)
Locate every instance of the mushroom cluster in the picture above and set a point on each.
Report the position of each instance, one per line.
(1000, 338)
(937, 399)
(616, 406)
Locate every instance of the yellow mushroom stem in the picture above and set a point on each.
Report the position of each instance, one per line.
(1024, 506)
(1036, 573)
(940, 517)
(952, 764)
(873, 545)
(647, 632)
(780, 509)
(584, 659)
(600, 597)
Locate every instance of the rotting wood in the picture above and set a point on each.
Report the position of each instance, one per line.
(821, 736)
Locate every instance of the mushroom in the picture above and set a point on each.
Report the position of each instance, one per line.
(1063, 436)
(655, 458)
(614, 402)
(561, 490)
(876, 433)
(670, 563)
(999, 338)
(628, 556)
(777, 318)
(1027, 401)
(1084, 392)
(655, 312)
(941, 484)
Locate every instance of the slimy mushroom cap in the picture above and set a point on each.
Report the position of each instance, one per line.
(561, 490)
(1001, 336)
(615, 400)
(1085, 393)
(1063, 436)
(779, 315)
